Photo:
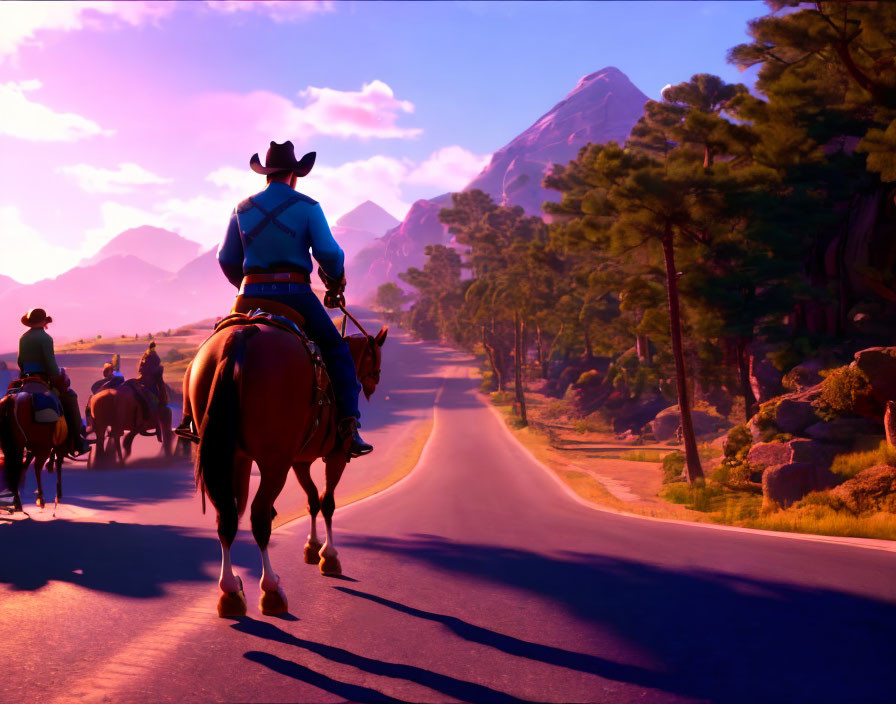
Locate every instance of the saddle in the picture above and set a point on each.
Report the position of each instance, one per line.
(46, 406)
(291, 322)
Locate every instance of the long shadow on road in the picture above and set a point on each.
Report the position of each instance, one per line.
(120, 558)
(445, 684)
(716, 636)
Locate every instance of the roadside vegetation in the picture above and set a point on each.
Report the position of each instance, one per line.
(683, 269)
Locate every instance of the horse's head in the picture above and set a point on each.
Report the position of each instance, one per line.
(366, 351)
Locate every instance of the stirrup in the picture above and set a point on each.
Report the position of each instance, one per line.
(186, 430)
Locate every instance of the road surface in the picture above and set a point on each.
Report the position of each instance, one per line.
(475, 579)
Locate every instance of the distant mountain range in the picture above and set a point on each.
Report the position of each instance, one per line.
(603, 107)
(162, 248)
(149, 279)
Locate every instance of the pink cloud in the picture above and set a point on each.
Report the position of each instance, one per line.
(21, 23)
(279, 11)
(371, 113)
(26, 119)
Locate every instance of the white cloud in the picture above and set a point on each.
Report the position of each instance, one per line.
(449, 169)
(27, 256)
(94, 179)
(25, 119)
(370, 113)
(277, 10)
(21, 22)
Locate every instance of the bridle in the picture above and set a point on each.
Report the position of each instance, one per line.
(369, 349)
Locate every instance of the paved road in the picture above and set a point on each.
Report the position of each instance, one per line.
(475, 579)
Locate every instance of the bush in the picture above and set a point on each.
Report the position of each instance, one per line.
(843, 390)
(673, 467)
(555, 409)
(597, 422)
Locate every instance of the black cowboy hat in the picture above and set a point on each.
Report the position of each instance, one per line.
(282, 157)
(36, 317)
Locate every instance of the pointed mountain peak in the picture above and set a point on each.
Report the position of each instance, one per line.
(369, 217)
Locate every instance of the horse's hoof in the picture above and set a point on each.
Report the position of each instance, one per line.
(232, 604)
(312, 552)
(17, 505)
(329, 566)
(273, 603)
(40, 502)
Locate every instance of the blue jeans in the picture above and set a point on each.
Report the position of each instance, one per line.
(319, 327)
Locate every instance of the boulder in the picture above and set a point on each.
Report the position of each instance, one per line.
(879, 365)
(794, 415)
(803, 375)
(635, 414)
(765, 379)
(771, 454)
(843, 430)
(788, 483)
(872, 489)
(666, 423)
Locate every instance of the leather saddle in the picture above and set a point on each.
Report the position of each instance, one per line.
(46, 406)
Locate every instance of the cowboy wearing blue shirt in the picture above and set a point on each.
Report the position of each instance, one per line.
(266, 255)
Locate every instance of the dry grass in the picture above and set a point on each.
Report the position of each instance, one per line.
(849, 465)
(822, 520)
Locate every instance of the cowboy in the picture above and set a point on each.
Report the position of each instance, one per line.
(268, 241)
(149, 374)
(111, 379)
(37, 358)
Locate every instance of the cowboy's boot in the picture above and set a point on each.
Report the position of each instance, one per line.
(348, 431)
(78, 444)
(187, 429)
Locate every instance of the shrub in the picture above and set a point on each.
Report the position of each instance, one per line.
(842, 391)
(596, 422)
(738, 443)
(673, 467)
(500, 398)
(555, 409)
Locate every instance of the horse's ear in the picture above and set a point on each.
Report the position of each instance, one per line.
(381, 336)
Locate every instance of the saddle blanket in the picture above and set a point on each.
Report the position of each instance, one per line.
(47, 407)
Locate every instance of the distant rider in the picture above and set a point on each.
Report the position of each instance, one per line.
(150, 375)
(37, 358)
(266, 255)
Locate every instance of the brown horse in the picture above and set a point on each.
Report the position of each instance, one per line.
(252, 393)
(119, 412)
(22, 440)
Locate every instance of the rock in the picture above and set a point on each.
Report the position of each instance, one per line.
(666, 423)
(786, 484)
(843, 430)
(879, 365)
(635, 414)
(872, 489)
(803, 376)
(793, 416)
(771, 454)
(765, 380)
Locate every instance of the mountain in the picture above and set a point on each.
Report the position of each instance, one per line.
(7, 283)
(104, 298)
(368, 217)
(162, 248)
(603, 107)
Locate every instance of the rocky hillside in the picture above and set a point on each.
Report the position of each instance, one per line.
(603, 107)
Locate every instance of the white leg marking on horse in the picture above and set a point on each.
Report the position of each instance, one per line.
(269, 579)
(329, 549)
(312, 536)
(228, 581)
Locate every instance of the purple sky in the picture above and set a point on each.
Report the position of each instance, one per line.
(116, 114)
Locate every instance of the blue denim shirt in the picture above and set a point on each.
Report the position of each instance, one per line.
(284, 243)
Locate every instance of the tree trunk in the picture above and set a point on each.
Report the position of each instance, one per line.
(518, 366)
(693, 469)
(493, 360)
(746, 388)
(642, 347)
(589, 351)
(539, 352)
(890, 423)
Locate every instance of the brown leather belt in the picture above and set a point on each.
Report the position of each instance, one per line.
(284, 277)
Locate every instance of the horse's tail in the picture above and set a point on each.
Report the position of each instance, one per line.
(12, 450)
(219, 429)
